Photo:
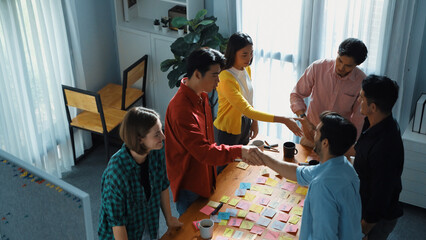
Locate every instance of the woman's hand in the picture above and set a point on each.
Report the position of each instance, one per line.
(292, 125)
(254, 129)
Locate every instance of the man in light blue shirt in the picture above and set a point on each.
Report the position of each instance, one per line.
(332, 208)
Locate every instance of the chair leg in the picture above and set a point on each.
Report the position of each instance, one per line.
(73, 144)
(106, 146)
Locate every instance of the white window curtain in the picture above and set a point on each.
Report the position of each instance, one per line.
(35, 60)
(289, 35)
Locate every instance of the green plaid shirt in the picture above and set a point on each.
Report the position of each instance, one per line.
(123, 196)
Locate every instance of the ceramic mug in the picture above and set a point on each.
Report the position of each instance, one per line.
(259, 144)
(206, 228)
(289, 149)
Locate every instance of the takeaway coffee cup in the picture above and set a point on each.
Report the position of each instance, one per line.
(259, 144)
(289, 149)
(206, 228)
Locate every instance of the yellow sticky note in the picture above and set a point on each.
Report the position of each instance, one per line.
(267, 190)
(271, 182)
(264, 171)
(298, 210)
(213, 204)
(302, 190)
(293, 199)
(242, 213)
(256, 208)
(285, 238)
(223, 222)
(256, 188)
(294, 219)
(246, 224)
(242, 165)
(249, 197)
(288, 180)
(284, 194)
(250, 236)
(228, 232)
(234, 201)
(224, 199)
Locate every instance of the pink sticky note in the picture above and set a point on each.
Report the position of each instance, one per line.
(243, 205)
(207, 210)
(289, 186)
(290, 228)
(221, 238)
(263, 201)
(272, 235)
(302, 202)
(236, 222)
(257, 230)
(253, 216)
(285, 207)
(283, 217)
(195, 223)
(261, 180)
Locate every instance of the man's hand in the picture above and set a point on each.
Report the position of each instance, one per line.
(254, 129)
(173, 225)
(249, 155)
(366, 227)
(308, 128)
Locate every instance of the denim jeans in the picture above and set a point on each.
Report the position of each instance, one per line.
(185, 199)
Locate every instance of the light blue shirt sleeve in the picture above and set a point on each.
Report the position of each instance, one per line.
(325, 213)
(304, 175)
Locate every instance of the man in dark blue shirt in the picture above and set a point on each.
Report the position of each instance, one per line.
(379, 158)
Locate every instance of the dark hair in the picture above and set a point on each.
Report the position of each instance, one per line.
(236, 42)
(201, 60)
(381, 91)
(354, 48)
(136, 124)
(340, 132)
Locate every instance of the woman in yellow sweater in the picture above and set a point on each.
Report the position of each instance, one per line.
(236, 120)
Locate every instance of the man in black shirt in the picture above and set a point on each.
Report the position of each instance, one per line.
(379, 158)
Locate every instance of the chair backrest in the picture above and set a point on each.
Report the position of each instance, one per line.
(132, 74)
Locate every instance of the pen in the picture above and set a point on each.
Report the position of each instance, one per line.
(217, 209)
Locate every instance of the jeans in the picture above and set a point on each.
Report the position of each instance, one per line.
(185, 199)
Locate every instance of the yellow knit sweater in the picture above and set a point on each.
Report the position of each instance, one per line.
(233, 105)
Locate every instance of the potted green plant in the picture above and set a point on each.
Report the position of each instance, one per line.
(202, 32)
(157, 25)
(165, 24)
(181, 31)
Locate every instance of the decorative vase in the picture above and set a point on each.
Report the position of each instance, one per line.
(157, 28)
(180, 32)
(165, 29)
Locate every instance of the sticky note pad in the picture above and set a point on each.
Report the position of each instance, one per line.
(246, 225)
(223, 222)
(298, 210)
(195, 224)
(224, 215)
(285, 238)
(294, 219)
(274, 204)
(236, 222)
(213, 204)
(237, 235)
(256, 188)
(215, 218)
(245, 185)
(243, 205)
(242, 165)
(207, 210)
(291, 181)
(249, 197)
(289, 186)
(261, 180)
(240, 192)
(293, 199)
(302, 190)
(250, 236)
(285, 207)
(284, 194)
(290, 228)
(256, 208)
(269, 212)
(232, 212)
(263, 201)
(224, 199)
(278, 225)
(272, 235)
(253, 216)
(271, 182)
(267, 190)
(263, 221)
(228, 232)
(221, 238)
(302, 202)
(233, 201)
(283, 217)
(257, 230)
(242, 213)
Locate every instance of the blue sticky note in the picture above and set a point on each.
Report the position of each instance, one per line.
(232, 212)
(245, 185)
(223, 215)
(240, 192)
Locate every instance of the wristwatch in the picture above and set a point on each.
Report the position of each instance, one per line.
(302, 115)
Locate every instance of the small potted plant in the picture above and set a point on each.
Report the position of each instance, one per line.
(165, 24)
(180, 31)
(157, 25)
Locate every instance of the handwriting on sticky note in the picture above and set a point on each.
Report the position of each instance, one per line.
(234, 201)
(246, 225)
(228, 232)
(224, 199)
(294, 219)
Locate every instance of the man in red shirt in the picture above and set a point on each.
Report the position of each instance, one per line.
(191, 152)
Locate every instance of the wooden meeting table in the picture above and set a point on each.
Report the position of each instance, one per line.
(227, 183)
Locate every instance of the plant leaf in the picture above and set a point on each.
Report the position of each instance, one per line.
(179, 22)
(166, 64)
(180, 47)
(200, 14)
(193, 37)
(206, 22)
(174, 77)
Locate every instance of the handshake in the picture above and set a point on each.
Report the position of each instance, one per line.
(253, 156)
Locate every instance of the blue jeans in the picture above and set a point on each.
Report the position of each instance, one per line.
(185, 199)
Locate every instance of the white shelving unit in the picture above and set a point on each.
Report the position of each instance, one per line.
(414, 174)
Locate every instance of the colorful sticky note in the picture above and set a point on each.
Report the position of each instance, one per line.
(207, 210)
(291, 181)
(253, 216)
(285, 238)
(223, 222)
(293, 199)
(271, 182)
(285, 207)
(246, 225)
(245, 185)
(250, 236)
(298, 210)
(302, 190)
(263, 221)
(237, 235)
(302, 202)
(256, 188)
(267, 190)
(224, 199)
(232, 212)
(223, 215)
(263, 201)
(213, 204)
(236, 222)
(242, 165)
(242, 213)
(261, 180)
(240, 192)
(284, 194)
(294, 219)
(234, 201)
(290, 228)
(278, 225)
(268, 212)
(221, 238)
(257, 230)
(274, 204)
(243, 205)
(228, 232)
(195, 224)
(272, 235)
(256, 208)
(215, 218)
(283, 217)
(249, 197)
(289, 186)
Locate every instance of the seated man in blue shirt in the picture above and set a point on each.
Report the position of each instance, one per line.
(332, 207)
